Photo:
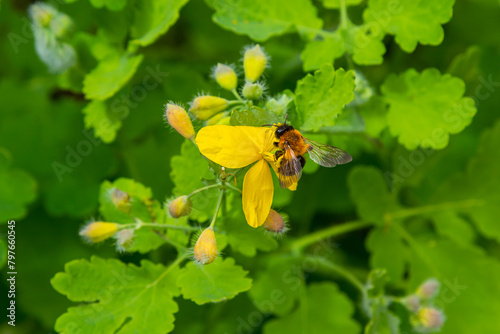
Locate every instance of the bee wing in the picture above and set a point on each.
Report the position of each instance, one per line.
(326, 155)
(290, 169)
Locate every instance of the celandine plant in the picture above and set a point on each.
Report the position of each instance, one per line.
(228, 236)
(227, 154)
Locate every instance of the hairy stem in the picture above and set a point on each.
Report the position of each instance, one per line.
(333, 231)
(217, 208)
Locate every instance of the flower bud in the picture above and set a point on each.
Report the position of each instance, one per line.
(205, 106)
(225, 76)
(42, 13)
(121, 200)
(98, 231)
(274, 222)
(179, 207)
(216, 119)
(428, 289)
(412, 303)
(124, 239)
(205, 249)
(254, 63)
(253, 91)
(429, 319)
(179, 119)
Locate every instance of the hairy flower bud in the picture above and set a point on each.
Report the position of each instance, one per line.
(412, 303)
(121, 200)
(253, 91)
(274, 222)
(429, 319)
(179, 207)
(179, 119)
(124, 239)
(205, 106)
(98, 231)
(254, 63)
(428, 289)
(225, 76)
(42, 13)
(205, 249)
(221, 118)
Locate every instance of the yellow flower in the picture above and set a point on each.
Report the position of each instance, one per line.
(240, 146)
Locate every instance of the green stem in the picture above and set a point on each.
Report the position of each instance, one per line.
(327, 233)
(343, 15)
(233, 188)
(235, 93)
(174, 227)
(416, 247)
(217, 185)
(324, 263)
(182, 256)
(217, 208)
(170, 241)
(432, 208)
(235, 103)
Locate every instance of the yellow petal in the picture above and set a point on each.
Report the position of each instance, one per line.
(258, 192)
(234, 146)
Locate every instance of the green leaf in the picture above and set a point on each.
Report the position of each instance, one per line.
(152, 18)
(475, 191)
(111, 74)
(451, 225)
(111, 4)
(324, 309)
(387, 251)
(279, 105)
(364, 44)
(254, 116)
(320, 99)
(425, 108)
(99, 118)
(365, 47)
(243, 238)
(374, 114)
(277, 287)
(117, 298)
(261, 19)
(470, 290)
(466, 65)
(376, 282)
(333, 4)
(410, 21)
(368, 190)
(320, 52)
(188, 169)
(141, 206)
(17, 189)
(220, 280)
(383, 321)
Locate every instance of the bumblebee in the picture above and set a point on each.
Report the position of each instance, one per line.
(291, 148)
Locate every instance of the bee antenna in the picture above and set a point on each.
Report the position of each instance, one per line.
(267, 125)
(286, 117)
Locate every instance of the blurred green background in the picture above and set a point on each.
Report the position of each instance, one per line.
(42, 126)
